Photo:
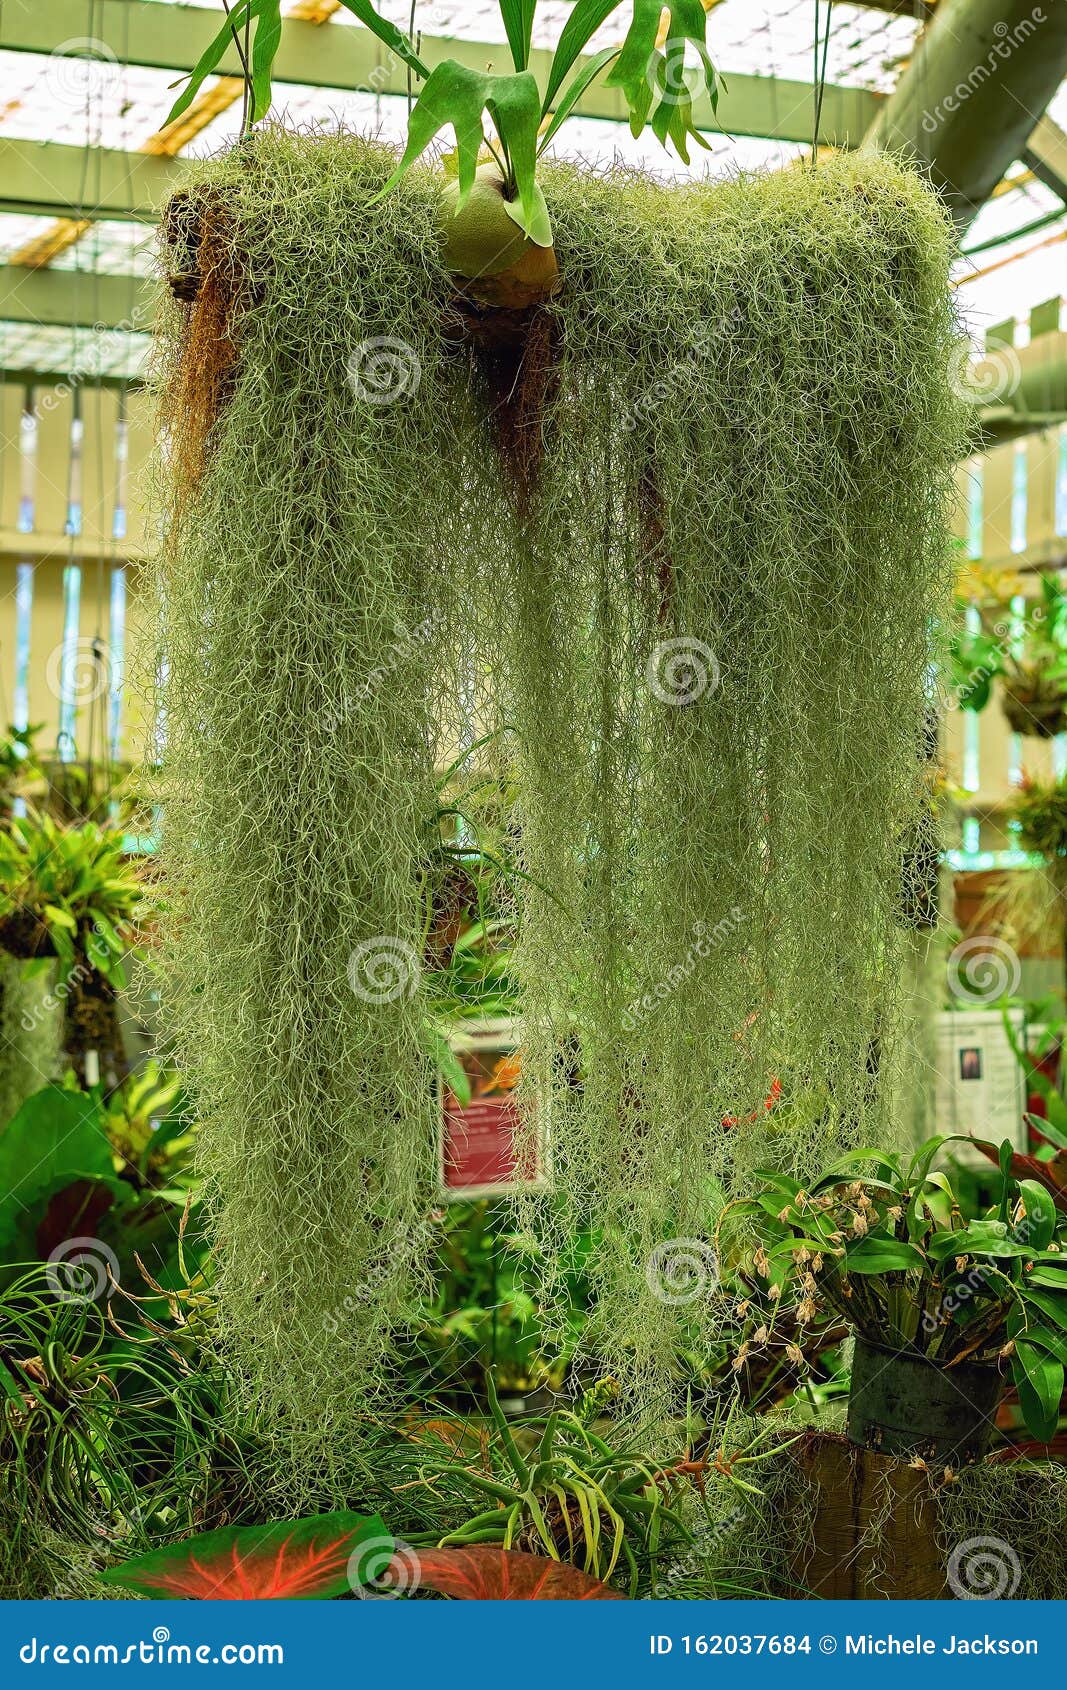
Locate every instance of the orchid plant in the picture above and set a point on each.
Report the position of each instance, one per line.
(650, 68)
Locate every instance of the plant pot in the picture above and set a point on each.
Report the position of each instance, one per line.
(24, 935)
(906, 1405)
(1039, 712)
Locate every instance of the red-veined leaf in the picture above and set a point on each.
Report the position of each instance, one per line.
(289, 1559)
(484, 1574)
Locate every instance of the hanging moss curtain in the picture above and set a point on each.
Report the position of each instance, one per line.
(684, 556)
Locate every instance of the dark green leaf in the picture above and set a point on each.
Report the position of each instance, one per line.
(264, 49)
(387, 32)
(585, 19)
(213, 55)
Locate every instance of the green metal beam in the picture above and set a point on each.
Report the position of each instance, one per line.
(1046, 156)
(49, 178)
(71, 298)
(968, 102)
(172, 37)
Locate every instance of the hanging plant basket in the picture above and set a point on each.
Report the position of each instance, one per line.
(1035, 706)
(906, 1405)
(24, 935)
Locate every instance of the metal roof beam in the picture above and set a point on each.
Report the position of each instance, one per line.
(972, 95)
(172, 37)
(72, 298)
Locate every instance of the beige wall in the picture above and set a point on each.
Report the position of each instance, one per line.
(48, 552)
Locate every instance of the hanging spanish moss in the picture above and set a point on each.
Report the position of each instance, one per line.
(685, 564)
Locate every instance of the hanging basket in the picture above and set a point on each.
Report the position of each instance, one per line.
(1035, 707)
(24, 935)
(906, 1405)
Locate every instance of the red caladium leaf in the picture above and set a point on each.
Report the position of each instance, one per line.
(1052, 1175)
(488, 1574)
(327, 1555)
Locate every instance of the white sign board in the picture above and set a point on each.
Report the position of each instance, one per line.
(980, 1087)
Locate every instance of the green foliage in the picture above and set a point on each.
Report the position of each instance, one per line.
(115, 1434)
(657, 87)
(70, 893)
(747, 451)
(19, 763)
(883, 1243)
(107, 1179)
(288, 1560)
(1040, 808)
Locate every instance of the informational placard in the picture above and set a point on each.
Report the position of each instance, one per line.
(981, 1088)
(482, 1150)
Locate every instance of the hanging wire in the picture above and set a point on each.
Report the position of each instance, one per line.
(821, 54)
(243, 53)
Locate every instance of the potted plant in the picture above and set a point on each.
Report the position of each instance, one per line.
(69, 893)
(495, 223)
(1034, 674)
(943, 1310)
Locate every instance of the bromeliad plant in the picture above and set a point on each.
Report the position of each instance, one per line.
(883, 1244)
(649, 68)
(1034, 671)
(69, 893)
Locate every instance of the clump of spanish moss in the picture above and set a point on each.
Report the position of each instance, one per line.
(696, 633)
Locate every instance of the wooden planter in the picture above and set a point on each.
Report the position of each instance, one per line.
(866, 1526)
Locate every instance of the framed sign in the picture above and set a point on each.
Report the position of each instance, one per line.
(480, 1152)
(981, 1089)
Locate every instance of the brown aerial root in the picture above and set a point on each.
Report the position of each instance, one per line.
(514, 340)
(206, 276)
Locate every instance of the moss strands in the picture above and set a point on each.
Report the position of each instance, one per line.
(703, 621)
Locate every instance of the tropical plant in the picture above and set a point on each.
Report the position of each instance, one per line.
(329, 1555)
(116, 1430)
(1040, 809)
(556, 1485)
(974, 659)
(485, 1315)
(1047, 1164)
(882, 1243)
(19, 763)
(649, 68)
(1034, 686)
(70, 893)
(75, 1173)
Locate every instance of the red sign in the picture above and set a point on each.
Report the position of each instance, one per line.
(480, 1149)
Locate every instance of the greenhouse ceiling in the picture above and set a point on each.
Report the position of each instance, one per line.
(85, 163)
